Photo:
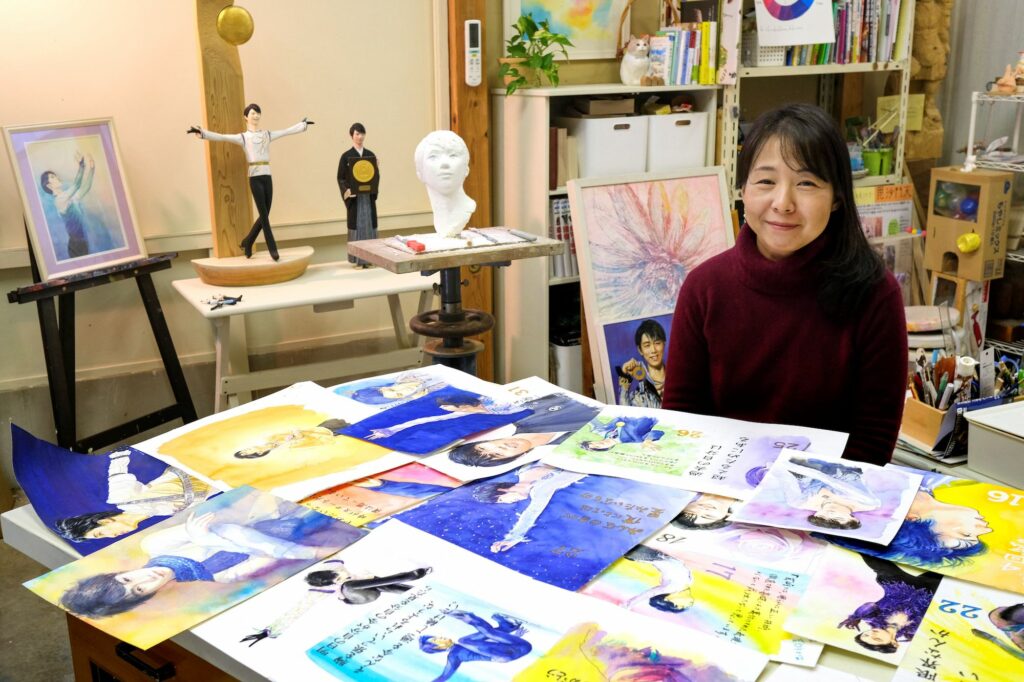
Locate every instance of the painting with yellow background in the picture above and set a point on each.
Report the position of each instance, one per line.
(961, 528)
(283, 443)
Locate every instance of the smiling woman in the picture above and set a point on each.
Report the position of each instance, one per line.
(799, 323)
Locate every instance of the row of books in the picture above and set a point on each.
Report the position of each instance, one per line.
(565, 264)
(686, 54)
(866, 31)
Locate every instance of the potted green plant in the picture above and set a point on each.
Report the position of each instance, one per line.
(531, 53)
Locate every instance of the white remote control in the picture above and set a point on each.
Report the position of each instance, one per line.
(474, 68)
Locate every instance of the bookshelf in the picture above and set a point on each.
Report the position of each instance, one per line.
(828, 77)
(520, 149)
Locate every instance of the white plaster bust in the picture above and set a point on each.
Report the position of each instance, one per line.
(442, 164)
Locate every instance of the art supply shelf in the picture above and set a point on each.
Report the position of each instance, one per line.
(522, 152)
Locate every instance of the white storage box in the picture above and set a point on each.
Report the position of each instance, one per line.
(616, 145)
(677, 141)
(566, 364)
(995, 442)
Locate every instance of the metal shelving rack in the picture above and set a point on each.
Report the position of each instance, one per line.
(1016, 348)
(972, 158)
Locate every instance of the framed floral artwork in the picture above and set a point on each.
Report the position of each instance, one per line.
(636, 239)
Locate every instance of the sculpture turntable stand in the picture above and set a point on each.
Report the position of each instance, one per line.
(448, 327)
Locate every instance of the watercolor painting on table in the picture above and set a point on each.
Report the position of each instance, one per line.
(287, 443)
(637, 237)
(625, 646)
(456, 634)
(178, 573)
(409, 630)
(375, 497)
(962, 528)
(970, 632)
(555, 416)
(388, 390)
(435, 421)
(560, 527)
(723, 598)
(92, 501)
(715, 455)
(805, 491)
(864, 604)
(778, 548)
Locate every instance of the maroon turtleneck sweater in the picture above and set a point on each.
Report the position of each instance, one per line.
(749, 341)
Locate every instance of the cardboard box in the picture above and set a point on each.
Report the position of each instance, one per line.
(995, 442)
(615, 145)
(962, 203)
(677, 141)
(605, 106)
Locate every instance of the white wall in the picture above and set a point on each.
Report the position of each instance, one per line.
(137, 61)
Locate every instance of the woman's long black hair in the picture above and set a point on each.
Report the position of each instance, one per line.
(809, 139)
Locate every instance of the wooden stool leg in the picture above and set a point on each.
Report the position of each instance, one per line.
(166, 346)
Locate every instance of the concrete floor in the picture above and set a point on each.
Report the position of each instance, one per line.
(33, 632)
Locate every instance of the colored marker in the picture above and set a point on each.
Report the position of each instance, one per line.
(412, 244)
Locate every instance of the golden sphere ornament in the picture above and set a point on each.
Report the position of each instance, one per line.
(234, 25)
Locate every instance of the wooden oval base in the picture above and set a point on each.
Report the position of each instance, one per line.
(238, 271)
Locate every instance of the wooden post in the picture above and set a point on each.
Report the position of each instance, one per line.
(470, 116)
(223, 102)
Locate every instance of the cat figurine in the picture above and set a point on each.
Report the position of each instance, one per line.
(635, 62)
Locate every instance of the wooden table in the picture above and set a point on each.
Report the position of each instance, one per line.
(451, 325)
(326, 287)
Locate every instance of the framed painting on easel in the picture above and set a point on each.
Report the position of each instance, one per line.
(73, 192)
(636, 239)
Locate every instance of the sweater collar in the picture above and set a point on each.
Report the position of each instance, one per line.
(793, 274)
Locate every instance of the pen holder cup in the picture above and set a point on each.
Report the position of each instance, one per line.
(872, 161)
(885, 161)
(921, 422)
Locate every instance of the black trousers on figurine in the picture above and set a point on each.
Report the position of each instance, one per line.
(262, 188)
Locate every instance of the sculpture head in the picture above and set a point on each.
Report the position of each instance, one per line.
(442, 164)
(442, 161)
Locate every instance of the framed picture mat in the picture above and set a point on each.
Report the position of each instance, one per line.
(713, 233)
(75, 199)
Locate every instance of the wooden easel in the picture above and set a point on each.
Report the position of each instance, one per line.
(57, 325)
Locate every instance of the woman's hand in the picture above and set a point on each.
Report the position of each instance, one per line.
(198, 527)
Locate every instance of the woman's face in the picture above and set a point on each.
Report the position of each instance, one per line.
(878, 636)
(111, 527)
(708, 508)
(787, 208)
(957, 527)
(143, 581)
(503, 448)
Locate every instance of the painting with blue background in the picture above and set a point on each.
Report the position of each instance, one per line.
(584, 527)
(63, 484)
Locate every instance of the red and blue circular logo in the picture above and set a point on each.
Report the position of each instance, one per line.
(787, 10)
